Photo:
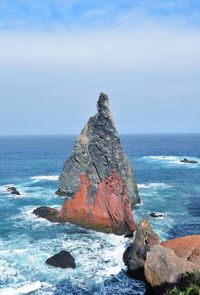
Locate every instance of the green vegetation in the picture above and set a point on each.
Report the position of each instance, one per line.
(188, 284)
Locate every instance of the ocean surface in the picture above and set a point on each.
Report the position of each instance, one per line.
(33, 164)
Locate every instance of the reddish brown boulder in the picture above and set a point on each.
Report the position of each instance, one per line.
(187, 247)
(166, 262)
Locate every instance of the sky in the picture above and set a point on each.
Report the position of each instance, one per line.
(56, 56)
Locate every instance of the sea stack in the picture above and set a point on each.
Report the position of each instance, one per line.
(97, 179)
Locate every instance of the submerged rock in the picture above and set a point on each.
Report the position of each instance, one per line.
(166, 262)
(135, 255)
(188, 161)
(97, 179)
(62, 259)
(12, 190)
(155, 215)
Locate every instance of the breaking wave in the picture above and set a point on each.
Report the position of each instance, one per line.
(25, 289)
(45, 177)
(155, 185)
(174, 160)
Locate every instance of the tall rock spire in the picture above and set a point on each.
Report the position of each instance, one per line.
(98, 177)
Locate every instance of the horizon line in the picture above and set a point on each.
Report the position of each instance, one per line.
(76, 134)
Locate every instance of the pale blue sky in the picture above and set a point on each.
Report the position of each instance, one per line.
(56, 56)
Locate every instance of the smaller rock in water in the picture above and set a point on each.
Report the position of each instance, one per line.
(47, 212)
(62, 259)
(188, 161)
(13, 190)
(135, 255)
(155, 215)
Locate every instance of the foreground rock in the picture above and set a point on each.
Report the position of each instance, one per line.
(135, 255)
(187, 247)
(166, 262)
(63, 260)
(12, 190)
(188, 161)
(98, 179)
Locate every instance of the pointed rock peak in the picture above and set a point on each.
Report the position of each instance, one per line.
(103, 104)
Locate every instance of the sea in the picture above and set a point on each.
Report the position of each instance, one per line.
(33, 163)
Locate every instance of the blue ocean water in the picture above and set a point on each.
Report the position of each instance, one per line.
(33, 163)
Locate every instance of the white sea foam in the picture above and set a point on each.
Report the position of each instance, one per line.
(6, 271)
(45, 177)
(155, 185)
(3, 188)
(174, 160)
(25, 289)
(163, 158)
(26, 214)
(98, 256)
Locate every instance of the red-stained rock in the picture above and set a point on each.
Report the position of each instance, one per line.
(109, 210)
(187, 247)
(97, 179)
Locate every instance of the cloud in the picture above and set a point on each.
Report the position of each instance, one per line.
(156, 48)
(60, 54)
(100, 35)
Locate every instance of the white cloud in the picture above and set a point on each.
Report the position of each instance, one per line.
(140, 49)
(140, 38)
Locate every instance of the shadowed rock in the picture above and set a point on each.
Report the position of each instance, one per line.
(134, 256)
(155, 215)
(63, 260)
(188, 161)
(12, 190)
(47, 213)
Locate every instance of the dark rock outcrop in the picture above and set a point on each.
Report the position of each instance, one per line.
(155, 215)
(135, 255)
(47, 213)
(63, 260)
(97, 179)
(188, 161)
(12, 190)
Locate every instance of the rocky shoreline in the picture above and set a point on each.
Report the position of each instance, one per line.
(100, 189)
(161, 265)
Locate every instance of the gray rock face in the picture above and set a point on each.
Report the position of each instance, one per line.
(97, 153)
(135, 255)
